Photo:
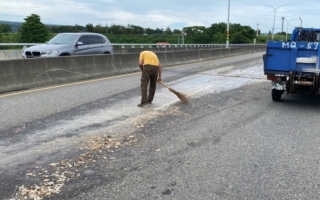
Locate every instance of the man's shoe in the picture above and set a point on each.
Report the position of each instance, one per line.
(150, 101)
(142, 104)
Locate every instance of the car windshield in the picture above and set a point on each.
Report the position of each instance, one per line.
(63, 39)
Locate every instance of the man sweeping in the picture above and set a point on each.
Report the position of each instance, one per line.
(151, 73)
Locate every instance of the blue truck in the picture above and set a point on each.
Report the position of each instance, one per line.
(293, 65)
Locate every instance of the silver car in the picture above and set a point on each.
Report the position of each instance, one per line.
(66, 44)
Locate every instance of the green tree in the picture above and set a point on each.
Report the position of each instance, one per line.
(194, 30)
(89, 28)
(217, 28)
(159, 31)
(99, 29)
(78, 28)
(5, 28)
(61, 29)
(168, 31)
(149, 31)
(201, 38)
(239, 38)
(117, 29)
(176, 31)
(219, 38)
(216, 34)
(33, 30)
(132, 29)
(246, 31)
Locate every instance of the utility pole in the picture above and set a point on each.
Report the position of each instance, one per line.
(182, 35)
(257, 29)
(274, 16)
(282, 25)
(228, 34)
(288, 21)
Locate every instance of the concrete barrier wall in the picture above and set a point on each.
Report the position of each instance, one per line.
(10, 54)
(214, 54)
(235, 51)
(18, 74)
(17, 53)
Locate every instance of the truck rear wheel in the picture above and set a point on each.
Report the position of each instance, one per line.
(276, 94)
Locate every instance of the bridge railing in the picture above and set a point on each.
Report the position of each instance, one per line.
(119, 45)
(16, 49)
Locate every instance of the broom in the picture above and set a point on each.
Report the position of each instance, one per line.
(180, 95)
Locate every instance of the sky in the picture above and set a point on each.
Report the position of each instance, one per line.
(174, 14)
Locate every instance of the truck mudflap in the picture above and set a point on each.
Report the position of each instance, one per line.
(278, 88)
(281, 85)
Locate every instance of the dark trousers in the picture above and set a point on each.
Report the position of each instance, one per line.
(149, 75)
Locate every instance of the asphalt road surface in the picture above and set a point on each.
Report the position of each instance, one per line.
(89, 140)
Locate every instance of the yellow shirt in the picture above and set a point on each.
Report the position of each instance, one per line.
(149, 58)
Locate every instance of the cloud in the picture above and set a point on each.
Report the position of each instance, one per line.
(164, 13)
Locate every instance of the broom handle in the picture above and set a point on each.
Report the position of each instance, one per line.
(164, 84)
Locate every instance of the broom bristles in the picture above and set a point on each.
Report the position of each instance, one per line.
(181, 96)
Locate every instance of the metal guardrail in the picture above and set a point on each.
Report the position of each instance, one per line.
(118, 45)
(176, 45)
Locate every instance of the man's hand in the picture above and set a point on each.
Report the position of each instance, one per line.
(141, 67)
(159, 72)
(141, 64)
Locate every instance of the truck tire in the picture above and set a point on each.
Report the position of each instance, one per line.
(276, 94)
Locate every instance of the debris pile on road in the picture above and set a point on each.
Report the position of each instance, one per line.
(105, 142)
(37, 193)
(54, 178)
